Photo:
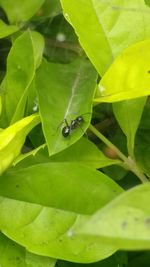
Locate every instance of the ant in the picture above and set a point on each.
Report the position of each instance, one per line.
(74, 124)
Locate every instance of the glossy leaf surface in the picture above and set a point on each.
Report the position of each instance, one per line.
(129, 76)
(65, 91)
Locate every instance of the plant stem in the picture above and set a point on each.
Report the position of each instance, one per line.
(128, 162)
(107, 142)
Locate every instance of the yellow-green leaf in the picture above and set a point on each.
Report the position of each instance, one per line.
(105, 27)
(129, 76)
(12, 139)
(6, 30)
(125, 222)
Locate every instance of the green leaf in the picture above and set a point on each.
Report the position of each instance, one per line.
(13, 255)
(128, 114)
(142, 154)
(144, 124)
(23, 59)
(86, 153)
(111, 26)
(12, 139)
(125, 222)
(147, 2)
(1, 105)
(62, 45)
(129, 76)
(6, 30)
(83, 152)
(51, 8)
(20, 11)
(93, 38)
(64, 92)
(32, 101)
(119, 259)
(35, 156)
(115, 172)
(41, 205)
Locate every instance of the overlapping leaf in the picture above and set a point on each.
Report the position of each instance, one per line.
(41, 205)
(111, 26)
(129, 76)
(128, 114)
(6, 30)
(13, 255)
(12, 140)
(20, 11)
(51, 8)
(24, 57)
(125, 222)
(83, 152)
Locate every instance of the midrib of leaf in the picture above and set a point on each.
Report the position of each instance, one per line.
(73, 91)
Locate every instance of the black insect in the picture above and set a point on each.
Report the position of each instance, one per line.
(66, 129)
(74, 124)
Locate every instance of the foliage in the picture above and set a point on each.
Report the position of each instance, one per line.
(74, 133)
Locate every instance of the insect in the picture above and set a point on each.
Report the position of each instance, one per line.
(66, 129)
(74, 124)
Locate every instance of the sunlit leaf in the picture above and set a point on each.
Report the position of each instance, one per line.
(125, 222)
(6, 30)
(110, 27)
(41, 205)
(129, 76)
(12, 140)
